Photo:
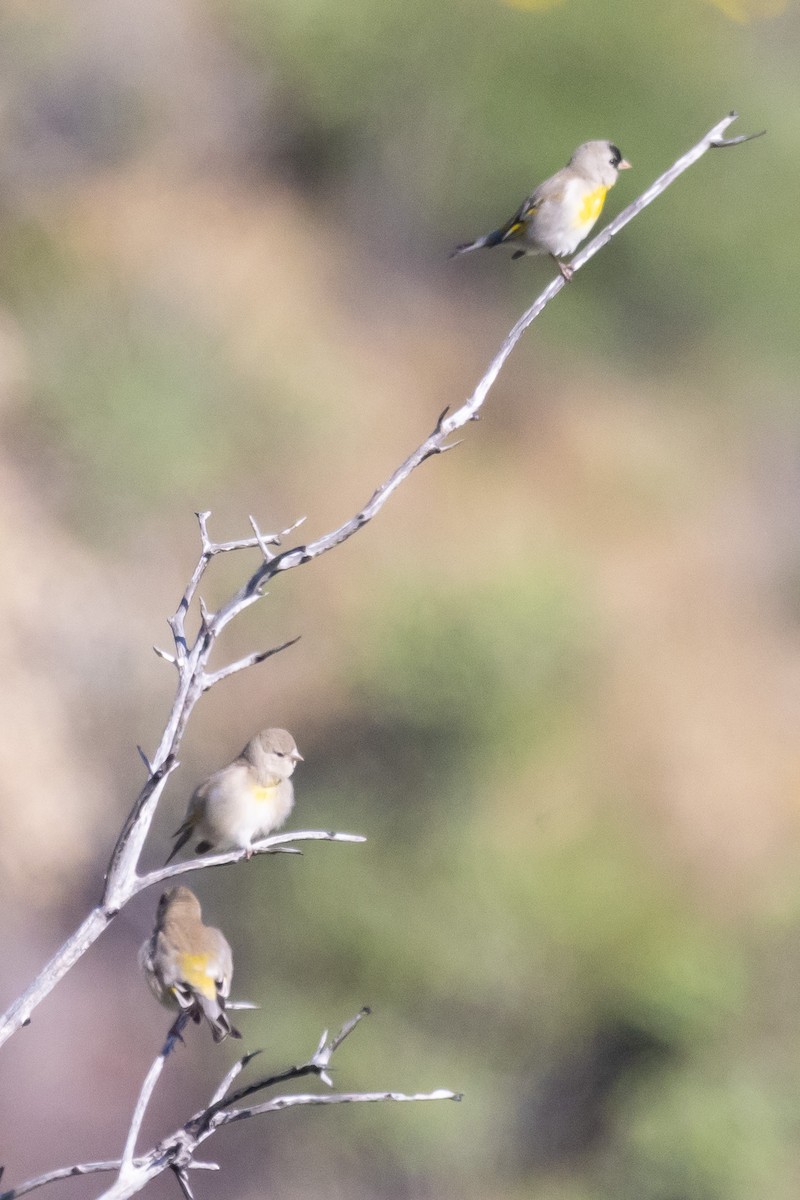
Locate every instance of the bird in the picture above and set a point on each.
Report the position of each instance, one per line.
(187, 964)
(560, 212)
(244, 801)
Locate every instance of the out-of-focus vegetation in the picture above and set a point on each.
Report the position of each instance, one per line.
(555, 683)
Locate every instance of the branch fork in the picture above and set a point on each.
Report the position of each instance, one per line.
(194, 679)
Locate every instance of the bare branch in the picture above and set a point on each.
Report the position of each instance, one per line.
(235, 1070)
(176, 1151)
(60, 1173)
(276, 844)
(283, 1102)
(192, 659)
(721, 142)
(151, 1079)
(250, 660)
(262, 541)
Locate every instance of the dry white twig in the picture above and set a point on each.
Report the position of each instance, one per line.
(190, 657)
(176, 1151)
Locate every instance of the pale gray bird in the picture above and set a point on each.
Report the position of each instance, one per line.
(187, 964)
(559, 214)
(246, 800)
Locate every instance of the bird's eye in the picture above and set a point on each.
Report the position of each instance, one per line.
(616, 156)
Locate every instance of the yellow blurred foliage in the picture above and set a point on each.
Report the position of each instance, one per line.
(744, 11)
(531, 5)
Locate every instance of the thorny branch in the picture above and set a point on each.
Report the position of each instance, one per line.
(176, 1151)
(191, 657)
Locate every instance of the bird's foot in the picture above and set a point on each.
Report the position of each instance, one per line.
(566, 271)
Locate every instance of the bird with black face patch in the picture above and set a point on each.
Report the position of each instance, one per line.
(560, 212)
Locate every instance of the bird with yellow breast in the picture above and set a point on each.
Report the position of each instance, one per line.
(559, 214)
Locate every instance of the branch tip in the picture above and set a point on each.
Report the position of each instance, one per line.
(300, 521)
(721, 143)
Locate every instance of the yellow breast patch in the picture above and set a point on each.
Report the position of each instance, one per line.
(592, 206)
(194, 969)
(263, 795)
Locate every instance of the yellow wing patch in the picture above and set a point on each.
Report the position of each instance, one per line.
(194, 969)
(592, 206)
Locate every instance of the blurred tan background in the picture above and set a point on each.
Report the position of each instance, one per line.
(556, 683)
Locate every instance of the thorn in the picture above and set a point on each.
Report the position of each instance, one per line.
(183, 1182)
(438, 426)
(145, 760)
(248, 1058)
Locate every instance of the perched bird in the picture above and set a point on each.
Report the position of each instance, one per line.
(187, 964)
(246, 800)
(558, 215)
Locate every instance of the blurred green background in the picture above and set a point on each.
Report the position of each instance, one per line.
(556, 683)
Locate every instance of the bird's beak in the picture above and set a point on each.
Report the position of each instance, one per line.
(624, 165)
(297, 756)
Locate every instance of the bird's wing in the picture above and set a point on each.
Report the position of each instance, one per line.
(552, 191)
(219, 953)
(549, 192)
(218, 970)
(193, 814)
(516, 224)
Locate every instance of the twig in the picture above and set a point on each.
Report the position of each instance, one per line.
(100, 917)
(176, 1151)
(151, 1079)
(271, 845)
(191, 658)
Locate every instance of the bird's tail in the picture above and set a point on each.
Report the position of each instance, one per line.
(214, 1013)
(181, 838)
(490, 239)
